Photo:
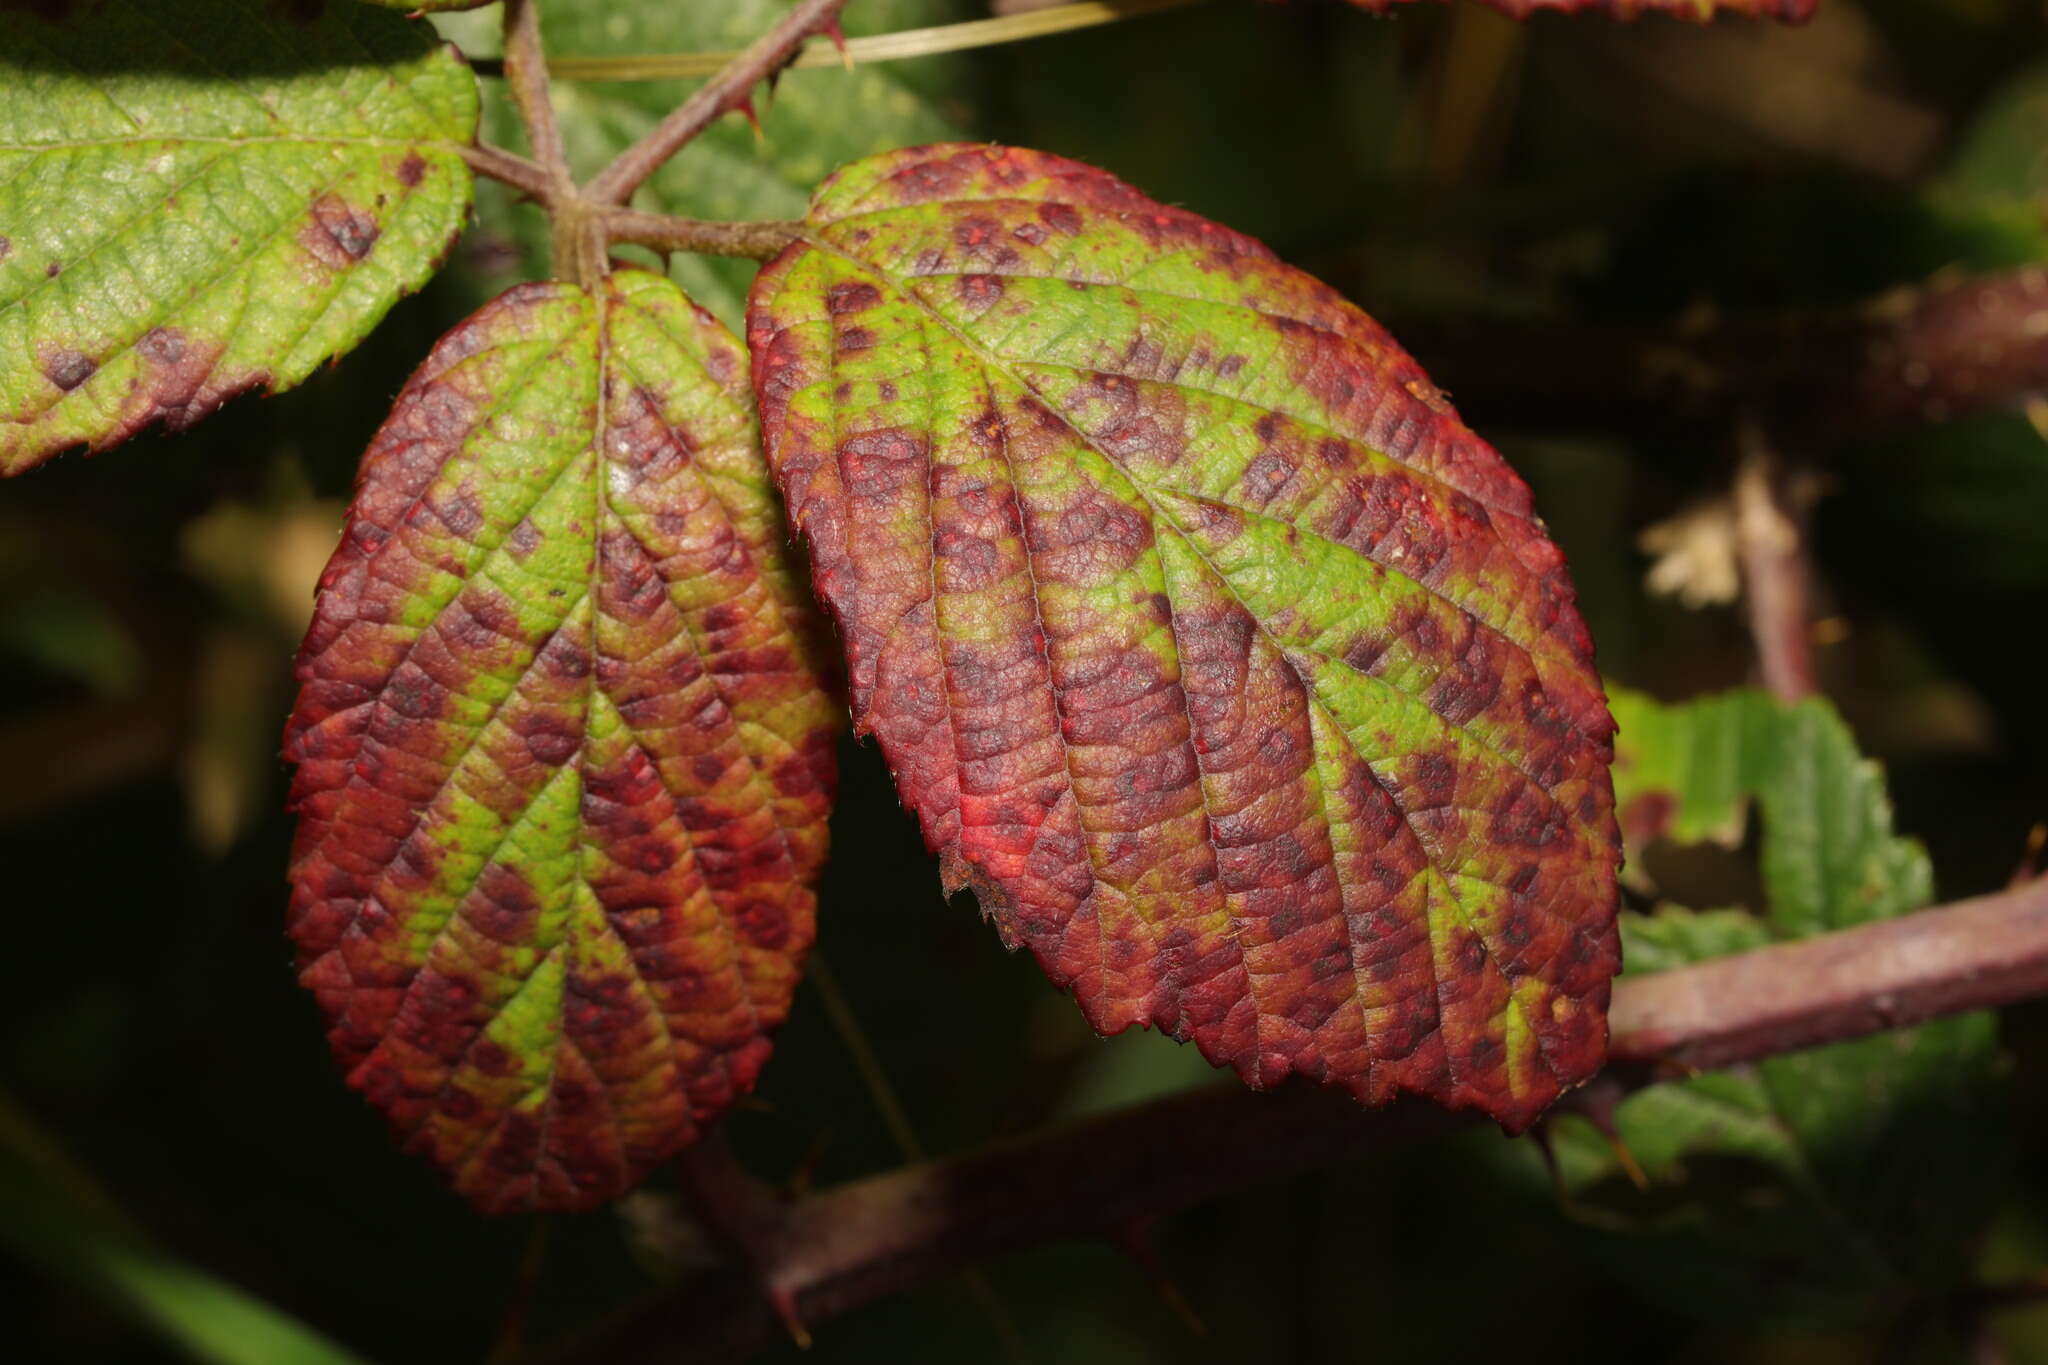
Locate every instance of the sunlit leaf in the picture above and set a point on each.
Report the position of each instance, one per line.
(564, 760)
(198, 201)
(1230, 669)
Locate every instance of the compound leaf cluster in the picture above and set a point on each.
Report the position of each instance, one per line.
(1235, 675)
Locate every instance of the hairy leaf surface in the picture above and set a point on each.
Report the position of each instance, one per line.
(196, 200)
(1230, 669)
(1815, 1183)
(564, 760)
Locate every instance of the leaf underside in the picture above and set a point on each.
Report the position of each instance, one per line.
(564, 760)
(197, 203)
(1225, 664)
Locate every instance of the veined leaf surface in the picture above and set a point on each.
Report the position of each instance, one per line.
(1233, 672)
(564, 760)
(202, 198)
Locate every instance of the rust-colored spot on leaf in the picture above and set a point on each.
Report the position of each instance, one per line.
(339, 234)
(66, 368)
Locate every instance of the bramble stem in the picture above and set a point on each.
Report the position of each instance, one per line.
(836, 1250)
(962, 36)
(1927, 353)
(1777, 577)
(755, 241)
(513, 169)
(526, 74)
(730, 89)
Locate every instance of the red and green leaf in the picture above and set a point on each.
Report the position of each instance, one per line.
(564, 758)
(1230, 669)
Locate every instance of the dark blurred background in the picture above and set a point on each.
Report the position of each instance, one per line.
(1463, 177)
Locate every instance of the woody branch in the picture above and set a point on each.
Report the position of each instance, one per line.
(827, 1253)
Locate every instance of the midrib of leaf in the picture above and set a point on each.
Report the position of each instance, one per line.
(584, 914)
(1432, 870)
(1058, 700)
(602, 514)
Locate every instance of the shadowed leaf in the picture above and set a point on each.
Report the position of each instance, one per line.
(195, 206)
(564, 760)
(1816, 1184)
(1214, 652)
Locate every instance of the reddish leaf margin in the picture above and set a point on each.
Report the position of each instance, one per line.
(1230, 669)
(564, 757)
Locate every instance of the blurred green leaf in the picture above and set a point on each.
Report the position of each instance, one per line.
(2004, 151)
(1968, 498)
(76, 636)
(60, 1218)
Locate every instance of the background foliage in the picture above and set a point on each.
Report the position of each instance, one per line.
(175, 1139)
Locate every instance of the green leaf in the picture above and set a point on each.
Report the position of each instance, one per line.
(1830, 859)
(814, 119)
(564, 755)
(429, 6)
(2000, 155)
(61, 1219)
(1229, 668)
(192, 208)
(1823, 1184)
